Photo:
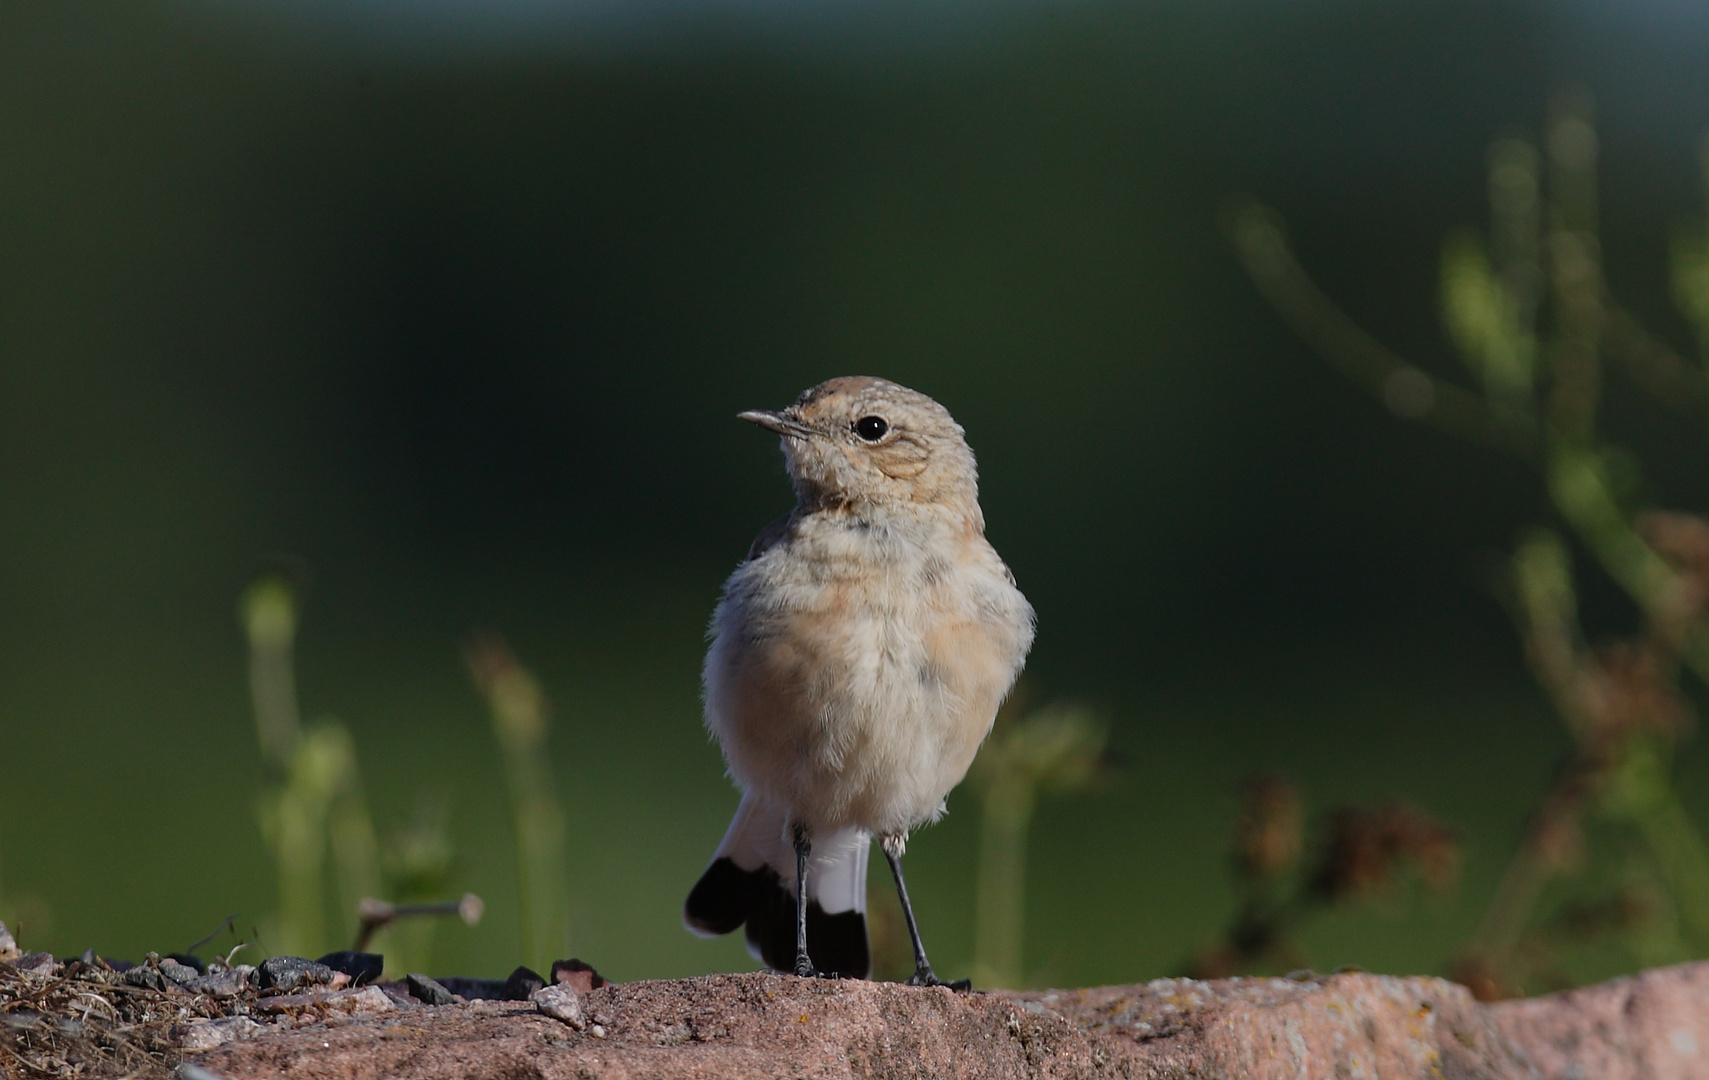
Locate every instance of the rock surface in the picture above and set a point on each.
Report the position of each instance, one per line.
(1651, 1026)
(1654, 1026)
(200, 1035)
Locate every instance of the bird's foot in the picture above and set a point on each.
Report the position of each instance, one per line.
(804, 968)
(926, 977)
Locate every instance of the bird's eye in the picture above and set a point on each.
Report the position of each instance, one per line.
(871, 428)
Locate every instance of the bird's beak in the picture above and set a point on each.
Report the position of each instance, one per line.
(782, 423)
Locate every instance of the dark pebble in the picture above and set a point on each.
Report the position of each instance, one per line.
(291, 973)
(178, 973)
(188, 961)
(429, 990)
(522, 982)
(362, 967)
(578, 974)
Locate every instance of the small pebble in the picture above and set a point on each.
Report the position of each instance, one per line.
(577, 973)
(221, 984)
(290, 973)
(149, 977)
(188, 960)
(560, 1002)
(36, 963)
(428, 990)
(369, 999)
(178, 973)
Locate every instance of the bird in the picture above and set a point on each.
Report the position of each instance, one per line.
(857, 659)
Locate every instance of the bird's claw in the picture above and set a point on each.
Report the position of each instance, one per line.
(926, 977)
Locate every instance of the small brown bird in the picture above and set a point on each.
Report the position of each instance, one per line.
(858, 657)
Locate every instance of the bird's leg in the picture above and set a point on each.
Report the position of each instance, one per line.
(803, 848)
(923, 974)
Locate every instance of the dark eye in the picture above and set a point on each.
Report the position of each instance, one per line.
(871, 428)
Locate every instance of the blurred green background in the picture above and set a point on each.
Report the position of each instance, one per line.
(455, 305)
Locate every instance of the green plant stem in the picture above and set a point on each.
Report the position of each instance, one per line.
(1641, 791)
(294, 820)
(520, 721)
(1679, 849)
(1264, 250)
(1510, 907)
(1577, 485)
(355, 851)
(270, 620)
(540, 843)
(321, 800)
(1000, 892)
(1579, 489)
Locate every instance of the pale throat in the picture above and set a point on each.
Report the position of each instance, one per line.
(875, 500)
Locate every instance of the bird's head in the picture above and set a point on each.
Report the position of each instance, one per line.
(860, 441)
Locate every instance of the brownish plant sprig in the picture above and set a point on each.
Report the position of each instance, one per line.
(1358, 853)
(1626, 711)
(1531, 316)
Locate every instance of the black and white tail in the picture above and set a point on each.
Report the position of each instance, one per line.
(751, 881)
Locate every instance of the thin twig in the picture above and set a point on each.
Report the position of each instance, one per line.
(1652, 364)
(224, 926)
(1406, 388)
(376, 915)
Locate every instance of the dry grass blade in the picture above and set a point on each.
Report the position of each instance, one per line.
(85, 1022)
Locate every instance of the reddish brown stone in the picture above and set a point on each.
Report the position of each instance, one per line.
(577, 974)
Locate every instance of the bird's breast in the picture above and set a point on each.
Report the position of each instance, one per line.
(866, 660)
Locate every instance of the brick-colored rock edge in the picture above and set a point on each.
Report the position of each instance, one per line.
(1654, 1026)
(1651, 1026)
